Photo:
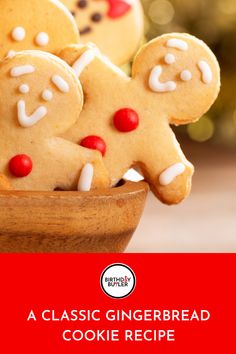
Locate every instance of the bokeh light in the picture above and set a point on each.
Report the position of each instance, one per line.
(202, 130)
(161, 12)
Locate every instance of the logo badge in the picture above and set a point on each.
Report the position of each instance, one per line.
(118, 281)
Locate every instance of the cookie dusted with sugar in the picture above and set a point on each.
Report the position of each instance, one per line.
(115, 26)
(40, 99)
(35, 24)
(175, 79)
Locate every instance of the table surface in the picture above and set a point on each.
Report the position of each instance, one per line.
(206, 221)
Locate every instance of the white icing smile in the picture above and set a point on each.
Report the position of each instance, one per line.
(157, 86)
(28, 121)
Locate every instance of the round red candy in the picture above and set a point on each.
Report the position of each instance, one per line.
(126, 120)
(95, 143)
(20, 165)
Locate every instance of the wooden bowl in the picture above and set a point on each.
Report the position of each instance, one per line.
(98, 221)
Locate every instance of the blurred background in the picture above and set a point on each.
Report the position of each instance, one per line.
(206, 221)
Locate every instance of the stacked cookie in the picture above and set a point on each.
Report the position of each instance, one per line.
(57, 134)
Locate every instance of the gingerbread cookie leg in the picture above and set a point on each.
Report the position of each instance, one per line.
(83, 168)
(170, 174)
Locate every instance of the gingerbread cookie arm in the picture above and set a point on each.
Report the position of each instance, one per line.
(170, 173)
(80, 169)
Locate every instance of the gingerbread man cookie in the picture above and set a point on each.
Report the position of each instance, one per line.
(40, 98)
(115, 26)
(175, 79)
(35, 24)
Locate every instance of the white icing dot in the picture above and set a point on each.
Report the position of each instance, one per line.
(24, 88)
(42, 39)
(60, 83)
(157, 86)
(22, 70)
(86, 178)
(86, 58)
(11, 54)
(206, 71)
(186, 75)
(168, 176)
(177, 43)
(18, 34)
(169, 59)
(47, 95)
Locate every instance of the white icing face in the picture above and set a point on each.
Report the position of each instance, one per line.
(155, 82)
(24, 119)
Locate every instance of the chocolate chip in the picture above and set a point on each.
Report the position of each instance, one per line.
(73, 13)
(82, 4)
(96, 17)
(85, 30)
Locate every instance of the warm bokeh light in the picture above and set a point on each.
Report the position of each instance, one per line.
(202, 130)
(161, 12)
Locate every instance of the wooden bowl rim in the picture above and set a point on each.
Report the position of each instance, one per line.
(127, 189)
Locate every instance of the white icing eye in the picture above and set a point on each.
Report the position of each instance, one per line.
(47, 95)
(169, 59)
(42, 39)
(24, 88)
(186, 75)
(18, 34)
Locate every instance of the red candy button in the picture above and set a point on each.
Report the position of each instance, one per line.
(20, 165)
(126, 120)
(118, 8)
(95, 143)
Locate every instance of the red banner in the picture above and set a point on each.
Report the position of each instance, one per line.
(159, 303)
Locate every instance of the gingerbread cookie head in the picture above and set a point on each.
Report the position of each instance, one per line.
(115, 26)
(39, 89)
(31, 24)
(181, 74)
(175, 79)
